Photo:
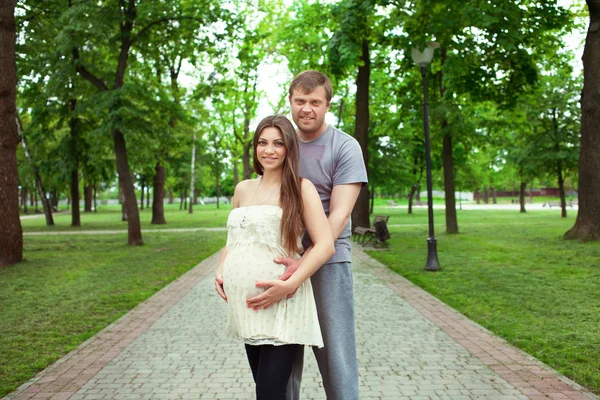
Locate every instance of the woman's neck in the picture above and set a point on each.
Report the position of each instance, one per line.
(270, 178)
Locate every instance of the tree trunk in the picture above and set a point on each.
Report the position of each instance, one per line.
(447, 162)
(494, 199)
(372, 200)
(36, 176)
(171, 197)
(411, 195)
(559, 172)
(360, 212)
(95, 203)
(35, 197)
(122, 202)
(246, 160)
(587, 224)
(24, 195)
(236, 173)
(185, 199)
(522, 196)
(561, 190)
(218, 191)
(147, 196)
(75, 213)
(158, 195)
(55, 199)
(88, 194)
(486, 194)
(142, 193)
(180, 200)
(11, 233)
(193, 172)
(134, 229)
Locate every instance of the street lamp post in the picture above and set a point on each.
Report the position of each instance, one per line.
(423, 59)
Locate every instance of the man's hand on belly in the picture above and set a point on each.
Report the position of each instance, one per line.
(291, 266)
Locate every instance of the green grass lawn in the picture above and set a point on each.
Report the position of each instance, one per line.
(70, 287)
(109, 218)
(510, 272)
(513, 274)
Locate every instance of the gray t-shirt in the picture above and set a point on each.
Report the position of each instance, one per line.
(334, 158)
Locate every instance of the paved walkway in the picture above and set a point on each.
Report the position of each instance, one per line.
(410, 346)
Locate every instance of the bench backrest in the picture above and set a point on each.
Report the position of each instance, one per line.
(383, 218)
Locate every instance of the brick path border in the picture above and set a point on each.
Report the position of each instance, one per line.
(527, 374)
(70, 373)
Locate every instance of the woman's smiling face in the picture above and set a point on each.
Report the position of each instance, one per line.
(270, 148)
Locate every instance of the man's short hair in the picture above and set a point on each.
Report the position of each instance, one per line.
(308, 81)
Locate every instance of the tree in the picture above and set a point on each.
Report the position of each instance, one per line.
(350, 48)
(587, 225)
(555, 117)
(11, 234)
(36, 174)
(235, 88)
(487, 51)
(93, 47)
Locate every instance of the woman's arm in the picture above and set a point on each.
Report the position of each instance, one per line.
(318, 228)
(235, 202)
(219, 275)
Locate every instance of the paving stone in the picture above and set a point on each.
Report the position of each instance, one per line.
(184, 352)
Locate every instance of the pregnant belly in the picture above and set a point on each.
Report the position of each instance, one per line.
(246, 265)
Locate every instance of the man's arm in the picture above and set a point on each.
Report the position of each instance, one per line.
(341, 203)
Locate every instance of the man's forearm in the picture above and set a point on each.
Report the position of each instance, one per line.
(337, 223)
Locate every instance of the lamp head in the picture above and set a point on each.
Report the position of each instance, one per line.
(423, 58)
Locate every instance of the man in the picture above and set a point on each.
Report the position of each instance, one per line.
(333, 161)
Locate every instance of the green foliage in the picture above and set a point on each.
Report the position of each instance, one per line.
(493, 55)
(303, 35)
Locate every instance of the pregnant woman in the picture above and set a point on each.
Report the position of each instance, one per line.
(268, 218)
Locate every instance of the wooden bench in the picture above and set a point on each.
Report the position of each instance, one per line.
(376, 233)
(419, 203)
(392, 203)
(551, 204)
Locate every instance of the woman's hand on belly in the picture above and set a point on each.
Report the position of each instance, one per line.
(219, 284)
(275, 291)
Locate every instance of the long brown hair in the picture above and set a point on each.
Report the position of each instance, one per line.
(290, 197)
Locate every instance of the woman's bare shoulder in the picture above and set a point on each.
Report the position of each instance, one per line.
(244, 186)
(307, 187)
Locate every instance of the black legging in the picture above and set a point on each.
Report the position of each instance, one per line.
(271, 368)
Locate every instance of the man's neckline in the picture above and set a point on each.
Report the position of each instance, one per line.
(316, 138)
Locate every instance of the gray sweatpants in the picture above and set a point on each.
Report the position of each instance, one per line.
(332, 286)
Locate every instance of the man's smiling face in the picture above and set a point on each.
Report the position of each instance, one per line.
(308, 112)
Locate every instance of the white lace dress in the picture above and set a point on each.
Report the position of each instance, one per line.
(253, 241)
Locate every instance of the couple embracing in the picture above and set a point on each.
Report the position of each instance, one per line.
(279, 301)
